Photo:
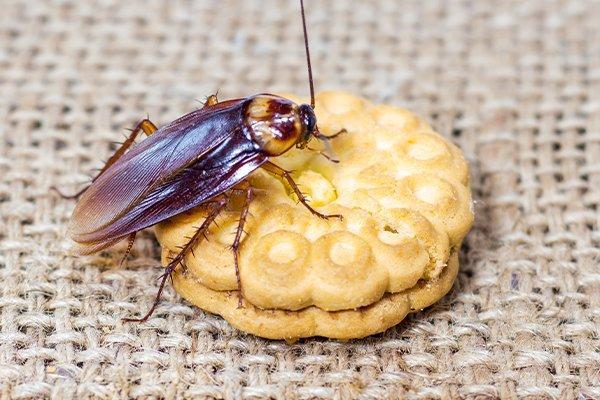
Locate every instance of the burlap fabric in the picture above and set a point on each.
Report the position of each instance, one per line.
(515, 84)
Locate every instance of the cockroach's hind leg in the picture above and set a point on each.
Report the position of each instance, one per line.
(69, 196)
(130, 241)
(144, 125)
(179, 258)
(277, 170)
(235, 247)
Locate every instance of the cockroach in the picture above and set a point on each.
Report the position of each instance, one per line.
(201, 158)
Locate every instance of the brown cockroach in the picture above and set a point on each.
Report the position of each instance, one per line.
(200, 158)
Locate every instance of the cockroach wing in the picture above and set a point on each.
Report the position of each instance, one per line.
(214, 173)
(180, 166)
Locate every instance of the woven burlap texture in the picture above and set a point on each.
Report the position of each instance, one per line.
(515, 84)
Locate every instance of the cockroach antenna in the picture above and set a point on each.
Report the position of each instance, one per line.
(310, 77)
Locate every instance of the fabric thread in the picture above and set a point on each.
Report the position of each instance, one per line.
(515, 83)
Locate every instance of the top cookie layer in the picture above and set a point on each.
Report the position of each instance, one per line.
(403, 191)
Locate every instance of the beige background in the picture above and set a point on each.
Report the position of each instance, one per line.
(515, 83)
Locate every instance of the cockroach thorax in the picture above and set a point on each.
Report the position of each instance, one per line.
(274, 123)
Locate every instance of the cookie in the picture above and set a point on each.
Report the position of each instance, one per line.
(404, 193)
(313, 321)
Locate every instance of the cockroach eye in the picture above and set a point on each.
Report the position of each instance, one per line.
(309, 120)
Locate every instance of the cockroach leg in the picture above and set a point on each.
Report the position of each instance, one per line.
(179, 258)
(130, 240)
(282, 173)
(238, 237)
(144, 125)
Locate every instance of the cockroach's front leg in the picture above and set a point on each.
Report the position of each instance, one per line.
(144, 125)
(277, 170)
(238, 235)
(179, 258)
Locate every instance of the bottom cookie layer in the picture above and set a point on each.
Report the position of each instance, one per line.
(312, 321)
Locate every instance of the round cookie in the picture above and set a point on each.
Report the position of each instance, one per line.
(404, 193)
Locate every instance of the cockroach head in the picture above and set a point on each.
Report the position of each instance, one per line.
(310, 130)
(309, 122)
